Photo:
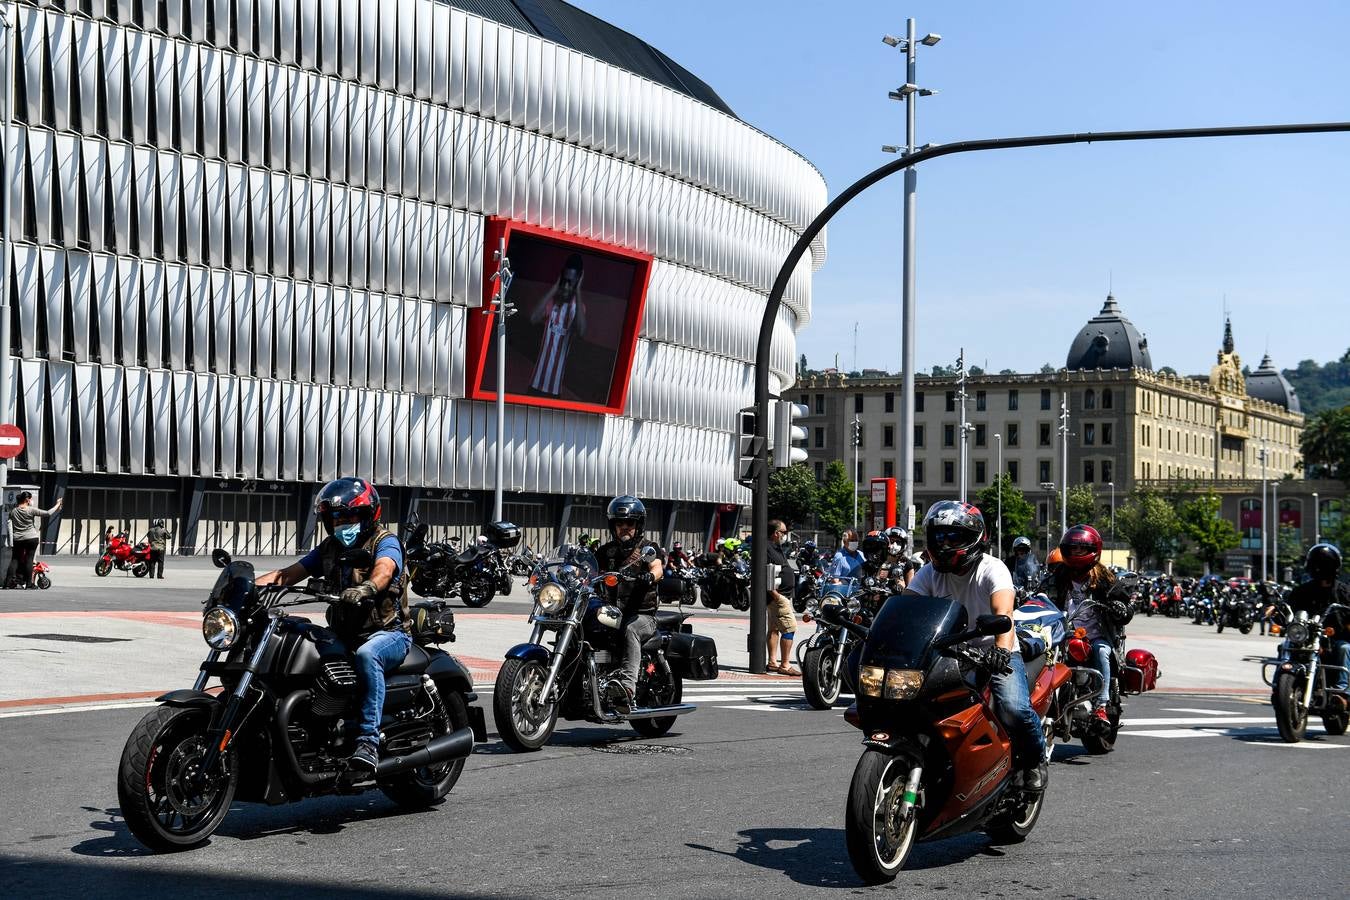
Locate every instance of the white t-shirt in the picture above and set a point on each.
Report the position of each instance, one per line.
(972, 590)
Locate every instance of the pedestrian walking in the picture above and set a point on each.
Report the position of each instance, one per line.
(158, 538)
(782, 622)
(23, 526)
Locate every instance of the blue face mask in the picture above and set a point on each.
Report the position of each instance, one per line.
(348, 533)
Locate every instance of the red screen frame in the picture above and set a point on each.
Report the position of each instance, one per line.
(482, 320)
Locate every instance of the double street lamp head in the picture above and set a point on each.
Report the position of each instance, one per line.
(928, 40)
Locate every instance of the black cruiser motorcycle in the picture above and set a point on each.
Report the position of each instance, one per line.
(1301, 676)
(539, 683)
(277, 732)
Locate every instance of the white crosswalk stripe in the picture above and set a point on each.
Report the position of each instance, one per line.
(1257, 731)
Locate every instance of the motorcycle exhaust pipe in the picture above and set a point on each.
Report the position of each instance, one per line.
(458, 744)
(657, 712)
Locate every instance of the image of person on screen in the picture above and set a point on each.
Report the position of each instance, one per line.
(562, 314)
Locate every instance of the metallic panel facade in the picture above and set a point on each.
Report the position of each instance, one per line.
(260, 262)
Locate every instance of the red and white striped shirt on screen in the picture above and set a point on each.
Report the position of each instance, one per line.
(548, 368)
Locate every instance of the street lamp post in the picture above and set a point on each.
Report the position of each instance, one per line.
(961, 402)
(1112, 486)
(1261, 455)
(6, 414)
(998, 475)
(1064, 466)
(1049, 487)
(857, 443)
(1317, 520)
(503, 309)
(1275, 531)
(909, 92)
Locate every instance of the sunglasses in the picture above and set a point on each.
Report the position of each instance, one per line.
(949, 537)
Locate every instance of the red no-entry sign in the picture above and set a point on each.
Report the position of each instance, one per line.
(11, 441)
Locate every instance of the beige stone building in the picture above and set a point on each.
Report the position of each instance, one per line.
(1128, 424)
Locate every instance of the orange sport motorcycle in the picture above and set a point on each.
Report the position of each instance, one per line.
(937, 762)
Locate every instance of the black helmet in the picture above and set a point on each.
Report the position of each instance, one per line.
(954, 536)
(626, 509)
(1021, 543)
(1323, 562)
(875, 547)
(898, 538)
(343, 497)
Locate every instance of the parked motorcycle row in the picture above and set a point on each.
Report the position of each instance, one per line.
(441, 570)
(1235, 604)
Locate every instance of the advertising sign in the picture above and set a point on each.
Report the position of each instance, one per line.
(883, 503)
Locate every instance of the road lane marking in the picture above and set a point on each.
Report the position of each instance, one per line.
(1217, 720)
(1202, 712)
(19, 714)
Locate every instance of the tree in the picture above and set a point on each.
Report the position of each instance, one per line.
(1018, 513)
(792, 494)
(1326, 443)
(1149, 524)
(944, 372)
(834, 499)
(1006, 372)
(1321, 387)
(1289, 549)
(1082, 505)
(976, 370)
(1047, 369)
(1211, 533)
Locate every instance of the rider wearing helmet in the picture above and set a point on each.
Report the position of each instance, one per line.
(807, 555)
(679, 557)
(1081, 578)
(900, 565)
(371, 621)
(961, 569)
(637, 600)
(1317, 594)
(1026, 571)
(158, 538)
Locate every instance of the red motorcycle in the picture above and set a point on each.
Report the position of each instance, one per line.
(41, 575)
(937, 761)
(123, 555)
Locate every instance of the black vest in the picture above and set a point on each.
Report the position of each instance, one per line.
(387, 613)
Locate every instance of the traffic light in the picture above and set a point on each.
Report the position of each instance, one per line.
(748, 446)
(787, 434)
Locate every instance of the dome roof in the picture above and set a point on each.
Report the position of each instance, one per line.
(1266, 383)
(1109, 341)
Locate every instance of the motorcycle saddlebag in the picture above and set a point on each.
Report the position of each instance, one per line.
(1140, 672)
(503, 535)
(693, 656)
(433, 622)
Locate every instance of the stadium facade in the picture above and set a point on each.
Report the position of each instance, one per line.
(250, 246)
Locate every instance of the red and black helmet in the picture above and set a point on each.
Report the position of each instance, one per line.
(1081, 548)
(340, 498)
(954, 536)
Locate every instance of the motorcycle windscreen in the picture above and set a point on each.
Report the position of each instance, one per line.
(903, 632)
(234, 586)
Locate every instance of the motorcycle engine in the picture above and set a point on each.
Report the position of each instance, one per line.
(333, 687)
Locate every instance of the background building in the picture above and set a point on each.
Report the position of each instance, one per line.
(1129, 426)
(250, 241)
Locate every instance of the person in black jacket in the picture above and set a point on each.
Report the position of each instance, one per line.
(637, 599)
(1074, 585)
(1323, 595)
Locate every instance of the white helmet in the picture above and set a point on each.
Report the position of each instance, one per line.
(1021, 542)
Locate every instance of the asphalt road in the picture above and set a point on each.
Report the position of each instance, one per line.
(743, 799)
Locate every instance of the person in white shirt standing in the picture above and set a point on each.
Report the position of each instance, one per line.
(562, 314)
(960, 568)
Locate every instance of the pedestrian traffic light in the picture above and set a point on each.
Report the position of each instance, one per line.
(787, 435)
(748, 447)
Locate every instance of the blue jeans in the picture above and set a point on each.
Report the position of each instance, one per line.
(1101, 661)
(382, 652)
(1012, 704)
(1340, 656)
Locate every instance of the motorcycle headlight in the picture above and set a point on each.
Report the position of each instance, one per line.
(1297, 633)
(902, 684)
(551, 598)
(870, 680)
(220, 628)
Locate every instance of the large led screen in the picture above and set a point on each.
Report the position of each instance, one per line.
(578, 307)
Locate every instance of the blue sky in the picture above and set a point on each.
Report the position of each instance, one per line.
(1017, 248)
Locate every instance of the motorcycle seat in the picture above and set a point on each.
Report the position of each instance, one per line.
(669, 619)
(467, 556)
(415, 663)
(1034, 668)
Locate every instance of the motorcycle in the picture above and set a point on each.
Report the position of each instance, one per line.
(937, 761)
(572, 679)
(522, 562)
(1300, 684)
(475, 575)
(1071, 710)
(822, 657)
(122, 555)
(1203, 610)
(808, 587)
(1235, 611)
(276, 732)
(42, 575)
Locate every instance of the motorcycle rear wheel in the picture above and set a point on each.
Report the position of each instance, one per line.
(818, 679)
(476, 592)
(1291, 717)
(162, 809)
(1245, 629)
(741, 600)
(1099, 742)
(1014, 826)
(667, 694)
(1336, 725)
(878, 847)
(140, 570)
(523, 726)
(102, 567)
(708, 600)
(1219, 625)
(427, 786)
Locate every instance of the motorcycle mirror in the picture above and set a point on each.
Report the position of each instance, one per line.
(649, 552)
(419, 533)
(220, 558)
(358, 558)
(990, 625)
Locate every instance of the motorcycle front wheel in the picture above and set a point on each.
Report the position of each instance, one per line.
(102, 567)
(43, 582)
(524, 721)
(1291, 717)
(741, 600)
(819, 682)
(476, 592)
(878, 838)
(1245, 628)
(1219, 625)
(165, 802)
